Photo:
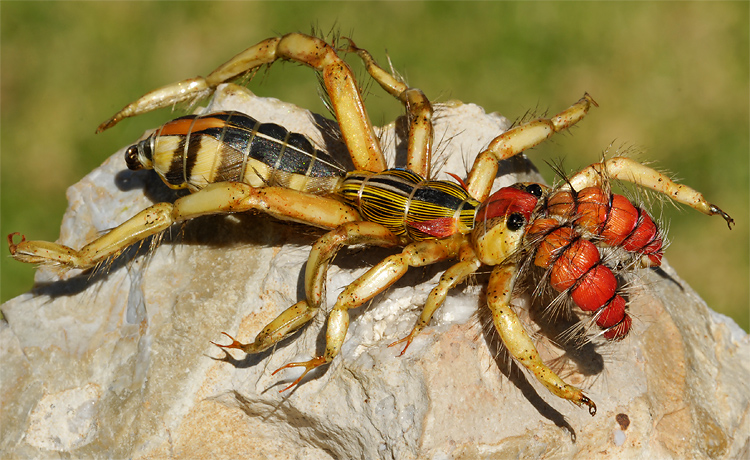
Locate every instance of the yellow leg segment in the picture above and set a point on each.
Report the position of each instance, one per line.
(626, 169)
(323, 251)
(450, 279)
(150, 221)
(419, 111)
(338, 79)
(326, 248)
(284, 325)
(225, 197)
(373, 282)
(518, 139)
(518, 342)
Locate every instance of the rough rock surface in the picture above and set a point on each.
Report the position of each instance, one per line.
(119, 364)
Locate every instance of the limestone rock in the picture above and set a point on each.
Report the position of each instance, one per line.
(119, 364)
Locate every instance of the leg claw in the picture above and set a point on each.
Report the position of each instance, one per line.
(234, 344)
(13, 247)
(590, 403)
(308, 365)
(406, 339)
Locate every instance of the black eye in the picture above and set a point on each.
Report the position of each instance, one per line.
(515, 221)
(535, 189)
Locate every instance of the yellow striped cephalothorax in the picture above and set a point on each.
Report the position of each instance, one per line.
(408, 205)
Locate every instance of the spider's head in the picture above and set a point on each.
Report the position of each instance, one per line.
(501, 221)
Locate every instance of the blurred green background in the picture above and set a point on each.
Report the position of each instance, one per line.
(671, 79)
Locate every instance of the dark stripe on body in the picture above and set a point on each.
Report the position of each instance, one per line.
(174, 176)
(193, 150)
(397, 197)
(241, 138)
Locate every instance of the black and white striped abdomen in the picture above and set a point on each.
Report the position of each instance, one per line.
(197, 150)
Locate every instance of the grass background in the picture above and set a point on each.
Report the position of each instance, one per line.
(671, 79)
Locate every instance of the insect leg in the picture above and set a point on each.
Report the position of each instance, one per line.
(225, 197)
(373, 282)
(627, 169)
(419, 111)
(518, 139)
(519, 343)
(338, 78)
(450, 279)
(323, 251)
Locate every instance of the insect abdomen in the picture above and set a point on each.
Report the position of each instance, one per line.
(197, 150)
(409, 205)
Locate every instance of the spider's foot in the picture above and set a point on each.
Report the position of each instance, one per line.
(13, 247)
(235, 344)
(590, 403)
(716, 210)
(308, 365)
(408, 339)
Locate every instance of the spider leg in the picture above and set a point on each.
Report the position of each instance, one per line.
(373, 282)
(419, 112)
(450, 279)
(519, 139)
(219, 198)
(284, 325)
(519, 343)
(338, 78)
(323, 251)
(627, 169)
(327, 246)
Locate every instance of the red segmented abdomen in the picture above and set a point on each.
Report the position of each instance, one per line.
(575, 264)
(612, 217)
